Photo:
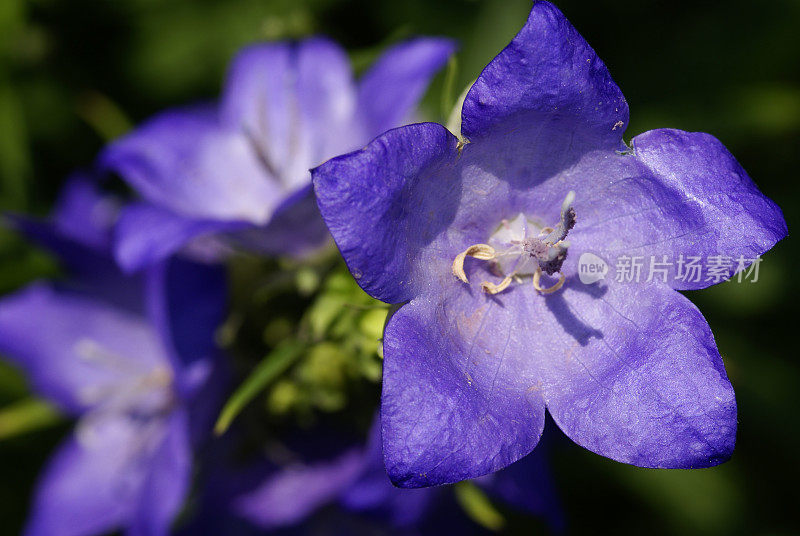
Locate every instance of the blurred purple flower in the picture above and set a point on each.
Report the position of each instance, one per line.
(356, 481)
(240, 168)
(132, 359)
(454, 227)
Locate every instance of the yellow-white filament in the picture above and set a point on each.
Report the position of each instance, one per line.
(549, 290)
(482, 252)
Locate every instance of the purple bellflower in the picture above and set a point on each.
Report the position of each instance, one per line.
(132, 359)
(356, 481)
(480, 237)
(240, 168)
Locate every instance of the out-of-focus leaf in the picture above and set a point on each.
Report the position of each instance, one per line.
(335, 305)
(769, 110)
(478, 506)
(26, 416)
(12, 383)
(272, 366)
(307, 281)
(454, 117)
(174, 36)
(11, 19)
(703, 501)
(277, 330)
(14, 158)
(324, 365)
(743, 295)
(283, 396)
(448, 88)
(372, 321)
(21, 263)
(103, 115)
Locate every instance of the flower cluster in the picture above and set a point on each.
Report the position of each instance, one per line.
(490, 244)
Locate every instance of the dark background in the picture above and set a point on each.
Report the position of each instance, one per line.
(74, 74)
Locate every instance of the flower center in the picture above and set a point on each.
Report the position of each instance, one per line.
(128, 387)
(520, 248)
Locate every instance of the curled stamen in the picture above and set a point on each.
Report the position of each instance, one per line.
(491, 288)
(538, 275)
(482, 252)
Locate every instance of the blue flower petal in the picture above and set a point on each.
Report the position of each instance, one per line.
(146, 234)
(290, 495)
(677, 195)
(84, 214)
(547, 79)
(387, 202)
(75, 348)
(185, 160)
(166, 484)
(373, 493)
(286, 107)
(93, 483)
(187, 303)
(390, 89)
(295, 103)
(296, 228)
(528, 484)
(461, 397)
(633, 374)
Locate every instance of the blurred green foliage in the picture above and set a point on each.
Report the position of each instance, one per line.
(478, 506)
(75, 73)
(310, 362)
